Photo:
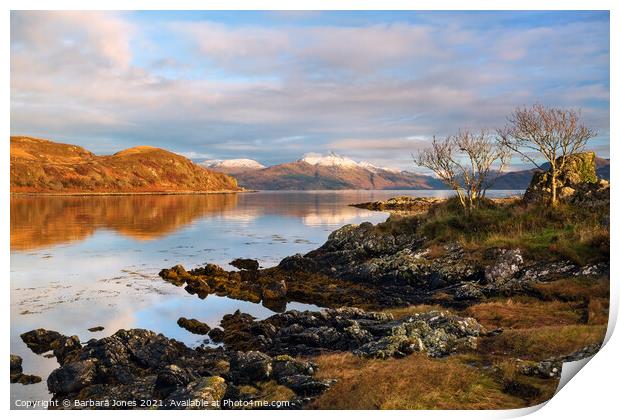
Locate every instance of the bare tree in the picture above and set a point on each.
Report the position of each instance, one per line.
(467, 162)
(552, 133)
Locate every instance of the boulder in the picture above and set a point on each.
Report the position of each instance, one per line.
(216, 335)
(201, 394)
(72, 377)
(274, 290)
(579, 169)
(507, 262)
(245, 264)
(251, 366)
(193, 326)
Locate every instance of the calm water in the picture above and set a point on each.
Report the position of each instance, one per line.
(80, 262)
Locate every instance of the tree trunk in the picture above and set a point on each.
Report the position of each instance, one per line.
(553, 188)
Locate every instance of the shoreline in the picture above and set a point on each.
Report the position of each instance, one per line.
(94, 193)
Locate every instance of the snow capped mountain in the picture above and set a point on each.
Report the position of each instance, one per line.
(233, 165)
(333, 159)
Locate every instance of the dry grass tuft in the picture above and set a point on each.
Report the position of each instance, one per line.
(516, 314)
(414, 382)
(543, 342)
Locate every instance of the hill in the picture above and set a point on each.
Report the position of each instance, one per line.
(43, 166)
(331, 172)
(232, 166)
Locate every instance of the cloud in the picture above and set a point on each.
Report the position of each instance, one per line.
(273, 92)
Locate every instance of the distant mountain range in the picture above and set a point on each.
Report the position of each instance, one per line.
(334, 172)
(318, 172)
(43, 166)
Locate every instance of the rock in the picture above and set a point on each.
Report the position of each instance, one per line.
(368, 334)
(64, 347)
(306, 385)
(16, 364)
(96, 329)
(28, 379)
(591, 194)
(138, 365)
(16, 368)
(170, 378)
(468, 291)
(275, 290)
(552, 368)
(285, 365)
(193, 326)
(72, 377)
(245, 264)
(251, 366)
(216, 335)
(41, 340)
(17, 375)
(176, 275)
(579, 169)
(507, 263)
(204, 393)
(402, 203)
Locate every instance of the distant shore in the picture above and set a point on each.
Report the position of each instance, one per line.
(92, 193)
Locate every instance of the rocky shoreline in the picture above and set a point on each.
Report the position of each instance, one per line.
(362, 276)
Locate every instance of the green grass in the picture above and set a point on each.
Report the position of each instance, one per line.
(542, 232)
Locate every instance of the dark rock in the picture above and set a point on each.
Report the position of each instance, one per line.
(275, 290)
(306, 385)
(41, 340)
(251, 366)
(216, 335)
(17, 375)
(16, 364)
(170, 378)
(245, 264)
(284, 365)
(28, 379)
(72, 377)
(193, 326)
(16, 368)
(139, 365)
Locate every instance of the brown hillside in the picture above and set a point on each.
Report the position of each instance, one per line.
(44, 166)
(303, 176)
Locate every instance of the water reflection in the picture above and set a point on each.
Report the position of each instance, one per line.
(42, 221)
(38, 222)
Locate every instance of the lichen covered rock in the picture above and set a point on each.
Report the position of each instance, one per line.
(579, 169)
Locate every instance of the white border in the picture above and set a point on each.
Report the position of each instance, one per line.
(592, 395)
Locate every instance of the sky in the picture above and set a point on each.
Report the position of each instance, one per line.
(272, 86)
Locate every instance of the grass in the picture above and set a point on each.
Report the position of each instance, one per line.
(542, 342)
(524, 313)
(574, 288)
(403, 312)
(543, 233)
(414, 382)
